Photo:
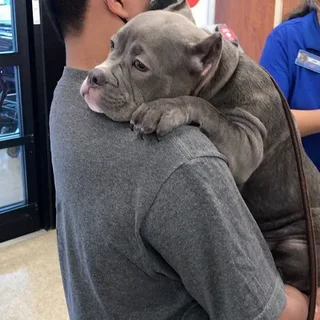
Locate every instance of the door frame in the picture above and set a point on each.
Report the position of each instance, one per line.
(20, 219)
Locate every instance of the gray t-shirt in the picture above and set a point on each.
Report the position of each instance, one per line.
(152, 230)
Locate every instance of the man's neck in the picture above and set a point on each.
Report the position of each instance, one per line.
(92, 47)
(84, 55)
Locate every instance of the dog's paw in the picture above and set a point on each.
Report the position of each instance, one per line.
(160, 117)
(144, 119)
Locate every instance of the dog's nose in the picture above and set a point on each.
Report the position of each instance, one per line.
(96, 78)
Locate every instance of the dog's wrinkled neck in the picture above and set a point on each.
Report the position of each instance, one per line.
(227, 66)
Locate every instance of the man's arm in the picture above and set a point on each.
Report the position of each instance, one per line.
(201, 226)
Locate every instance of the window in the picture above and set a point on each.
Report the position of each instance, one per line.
(7, 38)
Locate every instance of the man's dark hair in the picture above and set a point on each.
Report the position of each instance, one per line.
(67, 16)
(161, 4)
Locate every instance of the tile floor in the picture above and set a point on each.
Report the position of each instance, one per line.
(30, 281)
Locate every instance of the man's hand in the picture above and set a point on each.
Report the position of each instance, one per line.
(297, 305)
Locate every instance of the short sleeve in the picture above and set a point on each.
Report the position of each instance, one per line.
(202, 228)
(274, 59)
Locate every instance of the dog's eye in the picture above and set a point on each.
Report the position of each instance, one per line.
(140, 66)
(111, 44)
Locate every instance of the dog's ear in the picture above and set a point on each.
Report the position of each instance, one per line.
(181, 7)
(206, 55)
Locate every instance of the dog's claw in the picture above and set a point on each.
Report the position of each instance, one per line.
(140, 135)
(132, 126)
(203, 131)
(158, 138)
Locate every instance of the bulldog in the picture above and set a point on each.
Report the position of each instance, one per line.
(163, 72)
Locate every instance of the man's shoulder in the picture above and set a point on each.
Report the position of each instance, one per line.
(185, 142)
(113, 140)
(151, 163)
(182, 145)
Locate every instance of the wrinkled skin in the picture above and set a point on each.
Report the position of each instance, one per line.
(164, 72)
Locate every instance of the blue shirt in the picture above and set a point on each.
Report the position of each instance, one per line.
(300, 86)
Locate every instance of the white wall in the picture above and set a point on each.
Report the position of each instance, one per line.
(204, 12)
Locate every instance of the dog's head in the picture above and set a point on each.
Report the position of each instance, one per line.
(158, 54)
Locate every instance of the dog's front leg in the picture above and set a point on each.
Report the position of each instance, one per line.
(160, 116)
(237, 134)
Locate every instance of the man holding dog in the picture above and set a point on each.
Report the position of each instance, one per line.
(148, 230)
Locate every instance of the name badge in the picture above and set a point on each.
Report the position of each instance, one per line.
(308, 60)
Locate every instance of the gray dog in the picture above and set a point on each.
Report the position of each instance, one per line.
(163, 72)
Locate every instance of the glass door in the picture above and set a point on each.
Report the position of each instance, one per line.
(18, 182)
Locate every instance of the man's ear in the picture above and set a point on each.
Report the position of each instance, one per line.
(206, 55)
(116, 7)
(181, 7)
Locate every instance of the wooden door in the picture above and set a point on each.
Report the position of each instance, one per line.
(251, 20)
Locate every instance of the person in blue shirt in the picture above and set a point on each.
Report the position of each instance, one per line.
(292, 56)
